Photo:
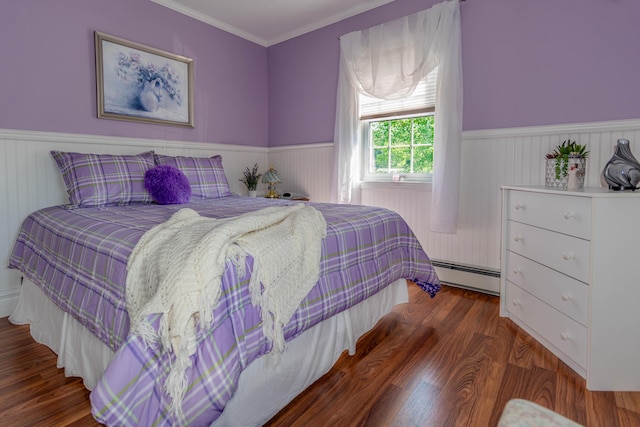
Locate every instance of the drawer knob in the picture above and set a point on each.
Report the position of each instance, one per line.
(568, 215)
(566, 296)
(519, 206)
(517, 270)
(564, 336)
(567, 256)
(516, 302)
(518, 239)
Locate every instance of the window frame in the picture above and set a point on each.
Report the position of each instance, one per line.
(365, 131)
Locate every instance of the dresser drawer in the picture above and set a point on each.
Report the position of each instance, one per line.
(568, 255)
(567, 295)
(564, 214)
(564, 333)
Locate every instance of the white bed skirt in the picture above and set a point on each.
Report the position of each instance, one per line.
(79, 352)
(264, 387)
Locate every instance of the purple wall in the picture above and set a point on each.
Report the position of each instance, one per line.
(303, 76)
(548, 62)
(48, 71)
(525, 63)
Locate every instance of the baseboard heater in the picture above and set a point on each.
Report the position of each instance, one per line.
(471, 277)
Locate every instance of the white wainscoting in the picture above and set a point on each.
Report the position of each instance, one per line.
(305, 169)
(29, 179)
(490, 159)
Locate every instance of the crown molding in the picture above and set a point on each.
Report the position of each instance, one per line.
(180, 8)
(328, 21)
(185, 10)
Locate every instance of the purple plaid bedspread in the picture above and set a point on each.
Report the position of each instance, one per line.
(79, 257)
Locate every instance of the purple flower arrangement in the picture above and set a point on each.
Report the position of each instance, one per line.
(131, 67)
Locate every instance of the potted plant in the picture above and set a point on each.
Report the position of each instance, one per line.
(250, 179)
(558, 161)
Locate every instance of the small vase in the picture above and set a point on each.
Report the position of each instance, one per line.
(253, 193)
(622, 171)
(150, 95)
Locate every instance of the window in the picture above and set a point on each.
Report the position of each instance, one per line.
(401, 146)
(398, 134)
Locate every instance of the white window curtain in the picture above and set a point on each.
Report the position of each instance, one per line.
(422, 100)
(387, 62)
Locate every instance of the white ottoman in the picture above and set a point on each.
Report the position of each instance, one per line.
(522, 413)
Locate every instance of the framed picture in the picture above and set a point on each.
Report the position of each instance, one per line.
(139, 83)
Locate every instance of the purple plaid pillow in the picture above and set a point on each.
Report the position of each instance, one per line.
(205, 175)
(104, 179)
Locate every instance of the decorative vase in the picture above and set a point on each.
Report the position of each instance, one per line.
(150, 95)
(622, 171)
(553, 180)
(253, 193)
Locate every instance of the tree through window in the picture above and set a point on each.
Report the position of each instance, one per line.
(401, 146)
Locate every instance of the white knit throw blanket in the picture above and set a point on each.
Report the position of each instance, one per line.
(176, 269)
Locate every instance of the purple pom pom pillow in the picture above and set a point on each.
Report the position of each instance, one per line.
(167, 185)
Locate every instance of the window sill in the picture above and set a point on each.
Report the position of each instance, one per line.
(399, 185)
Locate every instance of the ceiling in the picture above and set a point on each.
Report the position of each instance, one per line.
(267, 22)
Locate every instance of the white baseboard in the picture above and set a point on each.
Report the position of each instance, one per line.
(467, 277)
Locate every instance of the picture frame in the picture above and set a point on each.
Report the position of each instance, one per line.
(139, 83)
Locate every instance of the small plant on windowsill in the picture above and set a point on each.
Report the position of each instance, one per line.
(558, 161)
(251, 177)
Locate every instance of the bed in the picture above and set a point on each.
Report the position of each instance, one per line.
(74, 259)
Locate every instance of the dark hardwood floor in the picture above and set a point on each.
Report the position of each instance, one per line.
(450, 361)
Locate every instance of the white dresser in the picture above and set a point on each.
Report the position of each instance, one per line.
(570, 277)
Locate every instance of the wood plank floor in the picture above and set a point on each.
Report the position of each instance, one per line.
(450, 361)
